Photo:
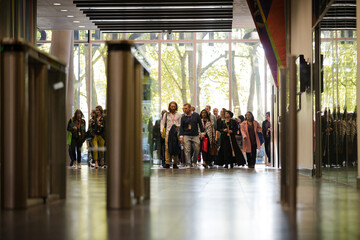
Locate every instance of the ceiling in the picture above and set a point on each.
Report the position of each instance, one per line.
(144, 15)
(341, 15)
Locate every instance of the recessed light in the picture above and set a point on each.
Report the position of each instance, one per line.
(64, 10)
(57, 4)
(70, 16)
(76, 21)
(82, 26)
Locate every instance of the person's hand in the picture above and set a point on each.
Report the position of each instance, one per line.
(225, 130)
(74, 127)
(230, 131)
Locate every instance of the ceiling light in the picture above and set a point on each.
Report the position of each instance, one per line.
(57, 4)
(82, 26)
(64, 10)
(70, 16)
(76, 21)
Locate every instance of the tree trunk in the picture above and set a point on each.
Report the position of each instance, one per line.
(234, 86)
(190, 55)
(250, 104)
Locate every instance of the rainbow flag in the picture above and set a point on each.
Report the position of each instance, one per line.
(269, 18)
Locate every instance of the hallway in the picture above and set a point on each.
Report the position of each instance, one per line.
(192, 204)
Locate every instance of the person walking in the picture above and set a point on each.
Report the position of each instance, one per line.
(171, 123)
(76, 126)
(98, 127)
(251, 142)
(266, 130)
(229, 152)
(189, 134)
(208, 140)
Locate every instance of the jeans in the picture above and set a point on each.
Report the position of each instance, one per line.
(194, 142)
(75, 151)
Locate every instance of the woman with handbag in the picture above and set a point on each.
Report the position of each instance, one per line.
(208, 140)
(229, 152)
(77, 127)
(251, 142)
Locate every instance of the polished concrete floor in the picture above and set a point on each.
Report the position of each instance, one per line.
(187, 204)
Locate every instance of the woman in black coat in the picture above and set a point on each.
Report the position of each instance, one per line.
(229, 152)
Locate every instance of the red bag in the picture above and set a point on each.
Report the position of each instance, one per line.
(204, 146)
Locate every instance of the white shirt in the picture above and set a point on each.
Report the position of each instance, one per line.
(172, 119)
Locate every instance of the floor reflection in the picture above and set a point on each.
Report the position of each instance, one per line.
(188, 204)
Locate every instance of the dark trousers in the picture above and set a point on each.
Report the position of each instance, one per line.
(75, 151)
(251, 157)
(71, 156)
(267, 148)
(162, 151)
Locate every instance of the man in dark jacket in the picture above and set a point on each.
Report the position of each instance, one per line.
(189, 134)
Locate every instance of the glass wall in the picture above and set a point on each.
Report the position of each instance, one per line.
(339, 146)
(224, 70)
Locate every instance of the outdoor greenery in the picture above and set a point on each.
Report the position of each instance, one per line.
(339, 63)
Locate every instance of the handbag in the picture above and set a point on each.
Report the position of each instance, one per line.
(163, 133)
(261, 138)
(205, 143)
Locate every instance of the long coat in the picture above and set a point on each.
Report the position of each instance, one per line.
(246, 138)
(225, 152)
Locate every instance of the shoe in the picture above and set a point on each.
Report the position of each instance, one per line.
(74, 165)
(71, 163)
(251, 166)
(205, 165)
(167, 166)
(226, 166)
(79, 166)
(232, 165)
(175, 166)
(188, 166)
(102, 162)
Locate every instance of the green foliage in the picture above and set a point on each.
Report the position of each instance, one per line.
(339, 74)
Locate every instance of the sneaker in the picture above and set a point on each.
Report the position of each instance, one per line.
(188, 166)
(175, 166)
(167, 166)
(71, 163)
(74, 165)
(79, 166)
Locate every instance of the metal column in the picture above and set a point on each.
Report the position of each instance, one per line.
(14, 129)
(120, 141)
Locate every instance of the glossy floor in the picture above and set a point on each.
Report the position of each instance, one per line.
(189, 204)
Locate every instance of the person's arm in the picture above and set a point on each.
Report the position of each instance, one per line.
(181, 134)
(202, 129)
(162, 123)
(69, 128)
(243, 131)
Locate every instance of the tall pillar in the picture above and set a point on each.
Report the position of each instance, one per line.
(358, 88)
(23, 24)
(62, 47)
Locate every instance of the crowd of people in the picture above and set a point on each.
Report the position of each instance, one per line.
(339, 138)
(94, 137)
(210, 138)
(189, 139)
